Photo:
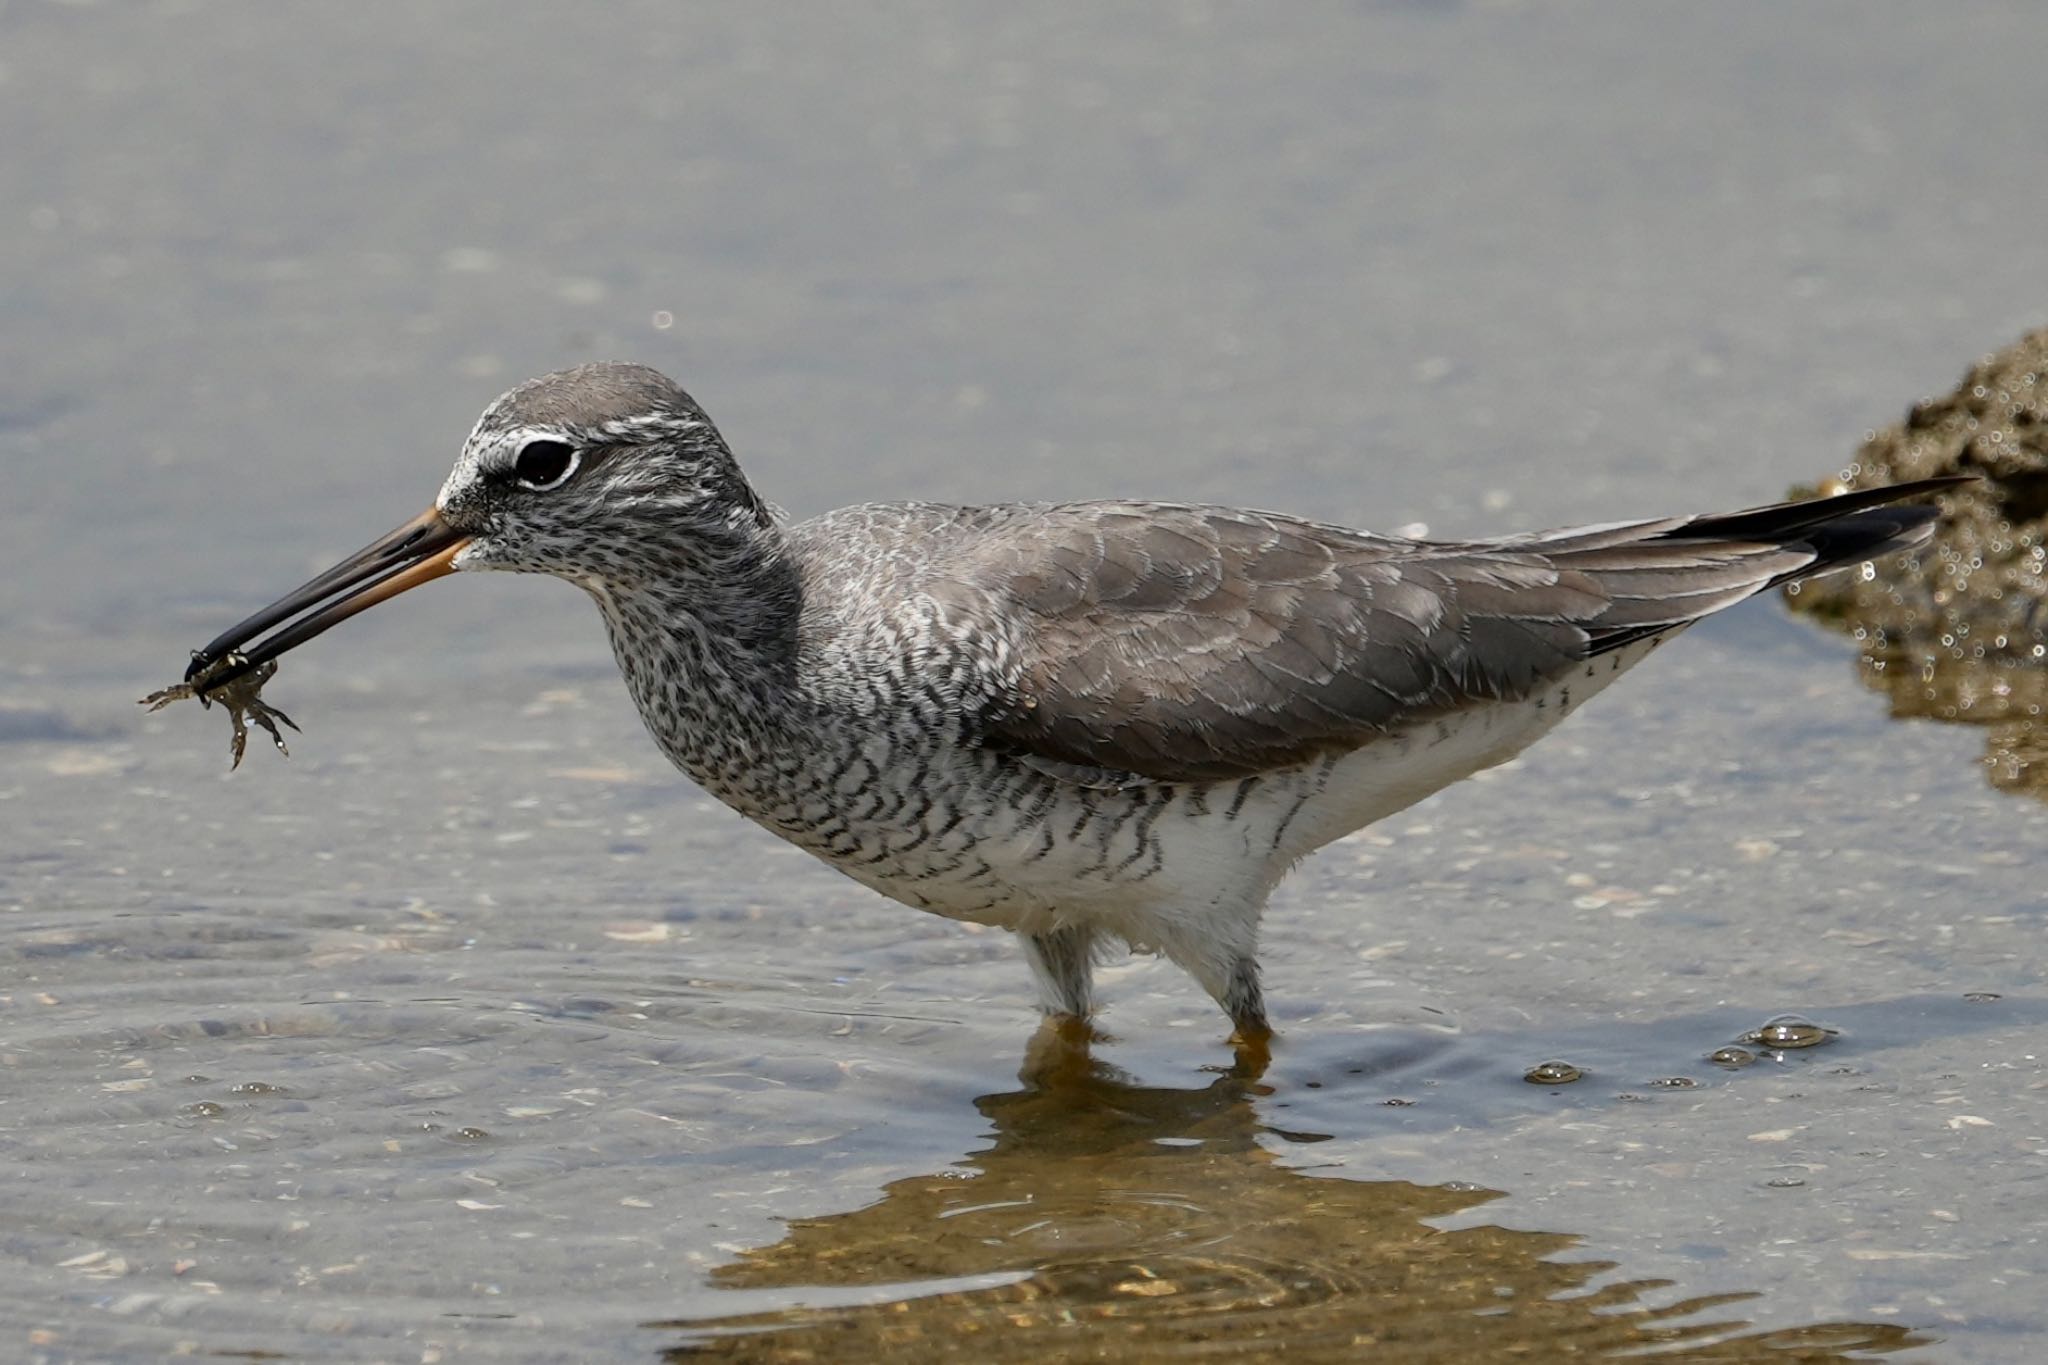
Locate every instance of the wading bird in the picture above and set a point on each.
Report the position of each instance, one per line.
(1090, 723)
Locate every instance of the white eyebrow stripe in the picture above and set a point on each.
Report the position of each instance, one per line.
(651, 422)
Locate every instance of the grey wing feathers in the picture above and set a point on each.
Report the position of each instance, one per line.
(1202, 644)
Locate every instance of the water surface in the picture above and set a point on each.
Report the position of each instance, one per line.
(473, 1033)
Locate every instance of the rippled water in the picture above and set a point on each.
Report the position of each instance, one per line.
(1130, 1220)
(470, 1032)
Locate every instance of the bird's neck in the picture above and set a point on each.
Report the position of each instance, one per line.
(708, 646)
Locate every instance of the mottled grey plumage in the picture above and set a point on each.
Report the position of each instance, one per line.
(1087, 722)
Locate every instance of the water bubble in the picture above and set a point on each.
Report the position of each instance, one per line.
(1981, 997)
(205, 1109)
(1784, 1182)
(256, 1088)
(1787, 1032)
(1731, 1057)
(1397, 1103)
(1552, 1073)
(1674, 1083)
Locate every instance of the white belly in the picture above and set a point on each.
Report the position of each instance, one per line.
(1392, 774)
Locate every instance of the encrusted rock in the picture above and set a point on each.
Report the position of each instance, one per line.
(1956, 631)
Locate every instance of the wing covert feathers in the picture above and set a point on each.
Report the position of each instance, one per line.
(1181, 644)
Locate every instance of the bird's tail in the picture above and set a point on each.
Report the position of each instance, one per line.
(1685, 569)
(1838, 531)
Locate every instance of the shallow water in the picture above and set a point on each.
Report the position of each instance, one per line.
(471, 1032)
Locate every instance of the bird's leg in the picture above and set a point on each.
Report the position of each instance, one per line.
(1063, 959)
(1252, 1036)
(1229, 971)
(1245, 1003)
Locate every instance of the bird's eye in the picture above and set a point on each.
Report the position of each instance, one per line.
(544, 464)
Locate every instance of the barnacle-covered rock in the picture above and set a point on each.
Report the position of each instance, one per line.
(1956, 630)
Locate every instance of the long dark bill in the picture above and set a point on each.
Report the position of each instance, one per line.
(418, 552)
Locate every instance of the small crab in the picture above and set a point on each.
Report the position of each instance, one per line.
(241, 697)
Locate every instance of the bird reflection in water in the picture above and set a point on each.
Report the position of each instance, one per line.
(1110, 1220)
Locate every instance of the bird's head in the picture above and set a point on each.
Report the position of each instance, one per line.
(595, 474)
(589, 472)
